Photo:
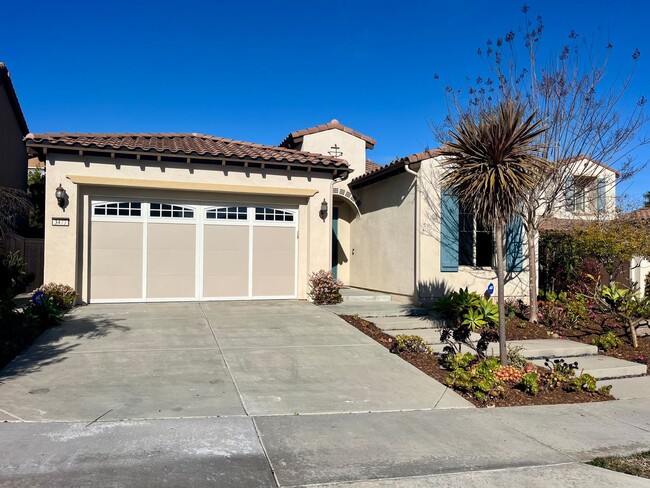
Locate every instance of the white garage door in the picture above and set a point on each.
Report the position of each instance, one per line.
(164, 251)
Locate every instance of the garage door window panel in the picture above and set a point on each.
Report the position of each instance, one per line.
(115, 209)
(268, 214)
(170, 211)
(227, 213)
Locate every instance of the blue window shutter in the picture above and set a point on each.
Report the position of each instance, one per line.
(514, 245)
(600, 191)
(570, 194)
(449, 232)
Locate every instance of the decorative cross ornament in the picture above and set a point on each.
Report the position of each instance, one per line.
(335, 151)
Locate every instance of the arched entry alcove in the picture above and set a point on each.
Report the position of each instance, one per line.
(344, 212)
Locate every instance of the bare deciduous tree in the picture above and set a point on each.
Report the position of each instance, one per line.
(589, 114)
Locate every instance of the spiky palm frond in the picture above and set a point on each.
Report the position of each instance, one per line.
(493, 161)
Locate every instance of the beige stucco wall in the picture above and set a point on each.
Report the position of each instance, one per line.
(353, 149)
(66, 249)
(432, 281)
(13, 155)
(383, 237)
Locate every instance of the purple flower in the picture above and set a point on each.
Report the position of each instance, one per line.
(38, 298)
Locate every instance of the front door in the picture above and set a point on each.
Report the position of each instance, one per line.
(335, 241)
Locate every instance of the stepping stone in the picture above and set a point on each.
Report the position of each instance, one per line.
(604, 367)
(629, 388)
(359, 295)
(412, 323)
(549, 348)
(376, 309)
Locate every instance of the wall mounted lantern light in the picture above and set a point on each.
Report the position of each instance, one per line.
(61, 196)
(323, 210)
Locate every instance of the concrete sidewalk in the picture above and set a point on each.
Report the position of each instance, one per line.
(520, 446)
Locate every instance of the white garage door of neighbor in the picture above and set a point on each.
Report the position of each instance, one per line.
(163, 251)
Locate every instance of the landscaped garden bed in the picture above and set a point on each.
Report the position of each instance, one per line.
(505, 393)
(587, 333)
(20, 326)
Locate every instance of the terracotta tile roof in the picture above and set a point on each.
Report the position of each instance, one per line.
(5, 80)
(181, 144)
(295, 138)
(640, 214)
(580, 157)
(393, 168)
(371, 166)
(562, 224)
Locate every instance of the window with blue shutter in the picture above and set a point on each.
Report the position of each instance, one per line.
(449, 232)
(601, 202)
(514, 245)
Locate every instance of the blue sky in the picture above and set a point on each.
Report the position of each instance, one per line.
(257, 70)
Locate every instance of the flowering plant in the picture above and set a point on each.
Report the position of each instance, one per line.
(63, 296)
(324, 288)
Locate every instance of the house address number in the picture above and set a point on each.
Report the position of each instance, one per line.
(58, 222)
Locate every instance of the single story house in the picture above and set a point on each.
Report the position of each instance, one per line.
(162, 217)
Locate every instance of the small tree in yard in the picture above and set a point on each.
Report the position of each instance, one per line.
(491, 164)
(585, 109)
(613, 243)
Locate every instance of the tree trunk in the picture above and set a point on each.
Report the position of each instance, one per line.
(531, 234)
(501, 280)
(635, 341)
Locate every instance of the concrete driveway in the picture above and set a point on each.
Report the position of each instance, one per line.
(177, 360)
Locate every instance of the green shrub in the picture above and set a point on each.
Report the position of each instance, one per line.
(516, 358)
(409, 343)
(607, 341)
(478, 379)
(560, 373)
(530, 383)
(584, 382)
(559, 260)
(576, 310)
(13, 276)
(63, 296)
(459, 361)
(324, 288)
(41, 311)
(467, 312)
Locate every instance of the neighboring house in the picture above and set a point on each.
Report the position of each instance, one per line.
(590, 191)
(34, 164)
(13, 128)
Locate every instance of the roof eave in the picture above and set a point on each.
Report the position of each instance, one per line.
(5, 80)
(41, 149)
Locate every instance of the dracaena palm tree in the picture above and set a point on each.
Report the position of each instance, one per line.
(491, 163)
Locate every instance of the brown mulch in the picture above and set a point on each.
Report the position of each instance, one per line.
(431, 365)
(518, 329)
